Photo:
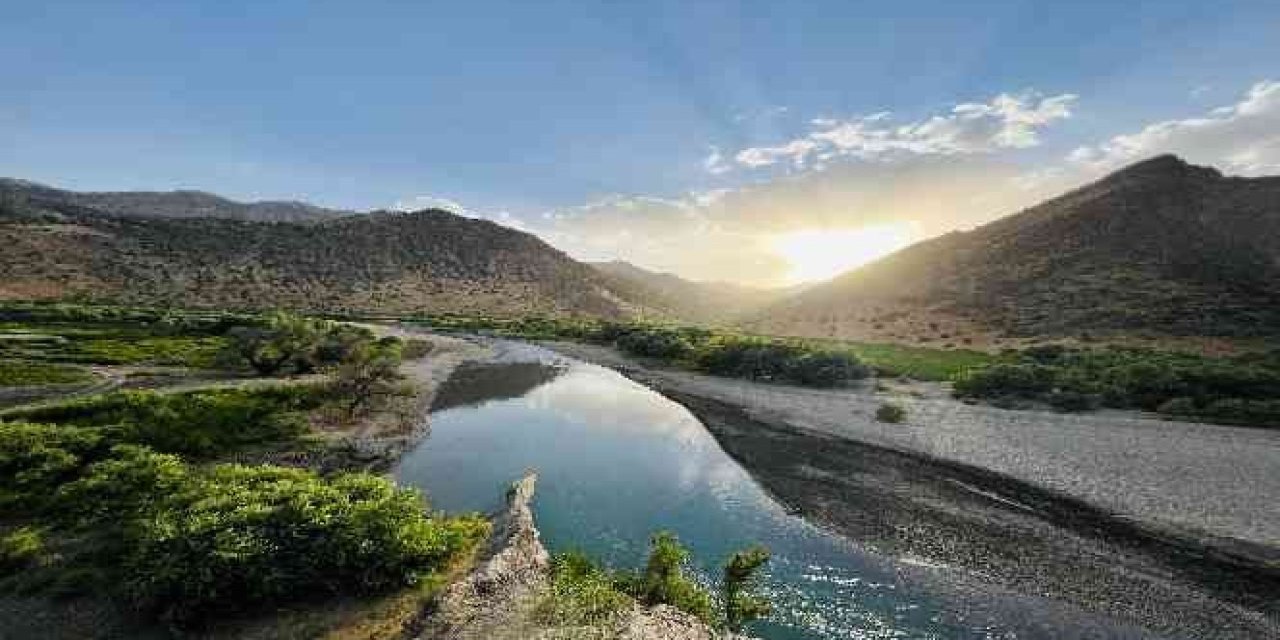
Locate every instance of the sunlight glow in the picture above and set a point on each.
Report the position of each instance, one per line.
(819, 254)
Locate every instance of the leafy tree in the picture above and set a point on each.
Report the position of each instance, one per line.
(741, 603)
(283, 339)
(369, 374)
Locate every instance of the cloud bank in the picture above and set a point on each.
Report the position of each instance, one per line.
(1005, 122)
(1243, 138)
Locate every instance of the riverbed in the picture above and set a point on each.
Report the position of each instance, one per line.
(618, 461)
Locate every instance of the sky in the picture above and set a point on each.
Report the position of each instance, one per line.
(765, 143)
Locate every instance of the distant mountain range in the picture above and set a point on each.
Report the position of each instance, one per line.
(34, 197)
(717, 303)
(1161, 247)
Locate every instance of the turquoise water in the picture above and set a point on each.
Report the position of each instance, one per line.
(617, 461)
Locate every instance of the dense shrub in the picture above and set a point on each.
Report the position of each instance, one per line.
(1236, 390)
(131, 483)
(19, 549)
(14, 373)
(772, 360)
(582, 593)
(241, 537)
(199, 423)
(37, 458)
(1005, 379)
(667, 344)
(891, 413)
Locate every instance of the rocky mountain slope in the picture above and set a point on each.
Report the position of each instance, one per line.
(388, 262)
(33, 197)
(1160, 248)
(689, 300)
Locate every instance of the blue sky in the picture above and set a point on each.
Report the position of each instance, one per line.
(530, 107)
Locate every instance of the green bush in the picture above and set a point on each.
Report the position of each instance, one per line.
(1230, 390)
(37, 458)
(15, 373)
(239, 538)
(199, 423)
(130, 484)
(891, 413)
(664, 580)
(741, 603)
(582, 593)
(20, 549)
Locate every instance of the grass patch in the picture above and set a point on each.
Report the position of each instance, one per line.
(21, 373)
(919, 363)
(196, 423)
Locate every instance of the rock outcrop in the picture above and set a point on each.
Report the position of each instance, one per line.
(497, 600)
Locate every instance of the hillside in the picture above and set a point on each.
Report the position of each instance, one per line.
(1160, 248)
(33, 197)
(689, 300)
(388, 262)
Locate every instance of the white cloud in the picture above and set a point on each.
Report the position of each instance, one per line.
(797, 151)
(715, 162)
(1243, 138)
(1005, 122)
(418, 203)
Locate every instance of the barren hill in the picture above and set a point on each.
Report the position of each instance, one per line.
(1160, 248)
(429, 260)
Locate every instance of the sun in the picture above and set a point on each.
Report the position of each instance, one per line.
(820, 254)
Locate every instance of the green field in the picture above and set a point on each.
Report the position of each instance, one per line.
(17, 373)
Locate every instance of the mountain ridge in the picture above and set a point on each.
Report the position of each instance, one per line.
(1160, 247)
(397, 262)
(180, 203)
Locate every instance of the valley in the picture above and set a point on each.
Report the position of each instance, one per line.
(1064, 420)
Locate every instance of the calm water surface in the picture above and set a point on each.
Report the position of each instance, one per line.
(617, 461)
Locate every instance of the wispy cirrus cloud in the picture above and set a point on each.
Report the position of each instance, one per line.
(1240, 138)
(1007, 121)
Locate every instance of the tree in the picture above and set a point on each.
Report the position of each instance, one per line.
(369, 373)
(741, 604)
(283, 339)
(664, 580)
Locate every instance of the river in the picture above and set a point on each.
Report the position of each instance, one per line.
(618, 461)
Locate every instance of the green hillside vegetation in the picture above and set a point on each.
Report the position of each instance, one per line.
(87, 513)
(17, 373)
(128, 496)
(1238, 390)
(712, 351)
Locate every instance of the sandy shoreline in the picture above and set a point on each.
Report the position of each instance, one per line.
(1006, 518)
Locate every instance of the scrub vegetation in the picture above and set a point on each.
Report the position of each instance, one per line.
(132, 495)
(583, 593)
(1239, 390)
(715, 352)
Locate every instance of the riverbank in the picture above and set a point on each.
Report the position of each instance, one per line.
(1106, 513)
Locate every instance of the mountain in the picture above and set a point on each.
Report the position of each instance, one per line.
(687, 300)
(34, 197)
(59, 246)
(1160, 248)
